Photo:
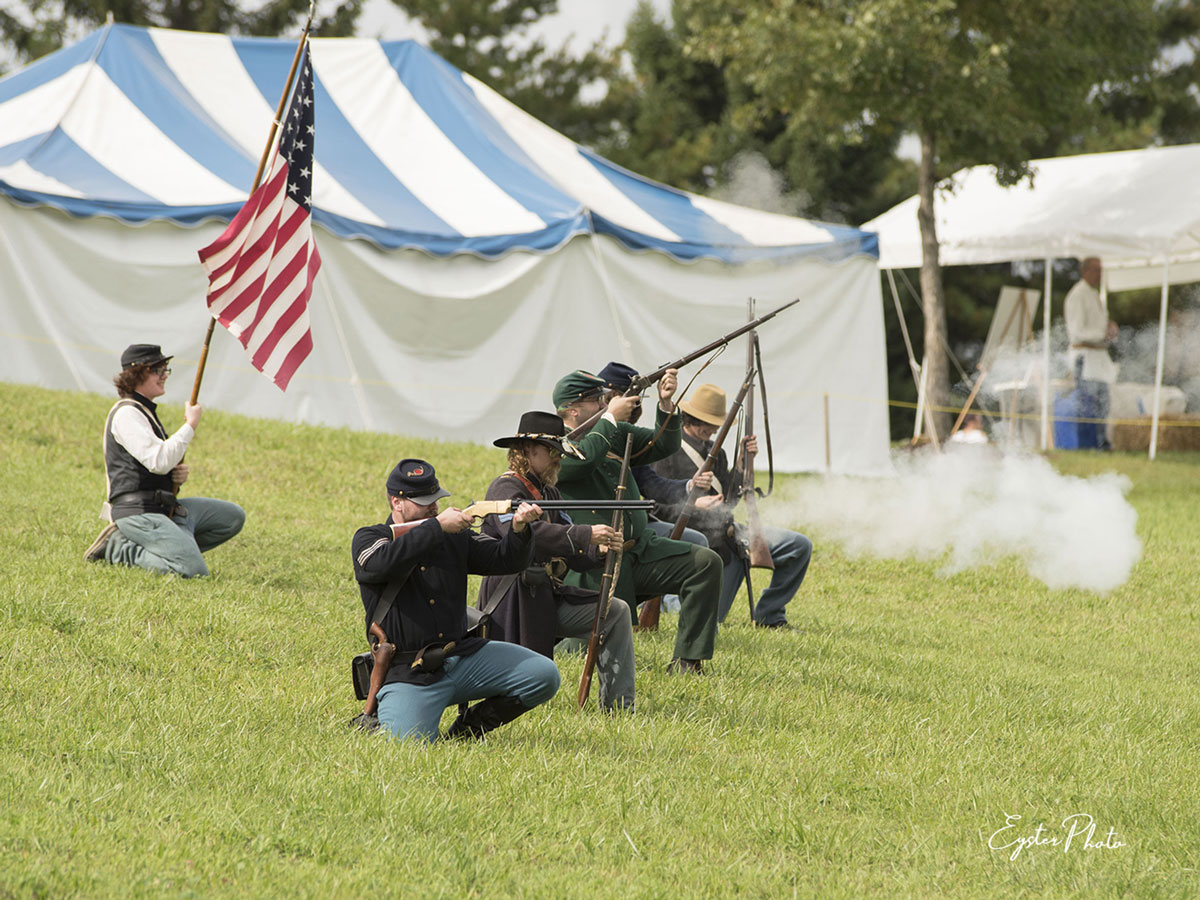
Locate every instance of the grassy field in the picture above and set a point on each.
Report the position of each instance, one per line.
(170, 738)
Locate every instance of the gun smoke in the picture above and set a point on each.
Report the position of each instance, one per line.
(973, 507)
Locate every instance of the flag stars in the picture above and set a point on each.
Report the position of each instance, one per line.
(310, 129)
(304, 172)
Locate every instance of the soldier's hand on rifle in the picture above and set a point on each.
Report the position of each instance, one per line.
(667, 386)
(615, 540)
(709, 501)
(602, 535)
(192, 413)
(622, 407)
(750, 442)
(526, 513)
(179, 474)
(702, 480)
(453, 520)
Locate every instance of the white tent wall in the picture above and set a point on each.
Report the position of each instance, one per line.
(452, 348)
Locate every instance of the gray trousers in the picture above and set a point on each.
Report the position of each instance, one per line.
(614, 664)
(174, 545)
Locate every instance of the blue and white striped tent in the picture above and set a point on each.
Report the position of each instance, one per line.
(443, 212)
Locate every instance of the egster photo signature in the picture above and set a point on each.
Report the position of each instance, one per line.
(1078, 830)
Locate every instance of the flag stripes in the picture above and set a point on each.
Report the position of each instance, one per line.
(261, 269)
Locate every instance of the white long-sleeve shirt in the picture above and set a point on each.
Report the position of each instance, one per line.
(132, 431)
(1087, 322)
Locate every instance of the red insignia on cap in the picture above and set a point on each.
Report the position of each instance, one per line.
(419, 470)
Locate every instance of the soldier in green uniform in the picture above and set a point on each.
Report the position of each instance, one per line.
(651, 564)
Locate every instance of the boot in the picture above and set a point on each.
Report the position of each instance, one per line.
(484, 716)
(95, 553)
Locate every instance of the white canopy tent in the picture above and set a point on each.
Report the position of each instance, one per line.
(1138, 210)
(471, 255)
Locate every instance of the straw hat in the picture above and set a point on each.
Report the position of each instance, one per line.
(707, 404)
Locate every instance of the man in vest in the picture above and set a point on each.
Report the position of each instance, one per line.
(149, 526)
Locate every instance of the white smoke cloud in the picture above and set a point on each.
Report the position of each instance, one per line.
(751, 181)
(973, 507)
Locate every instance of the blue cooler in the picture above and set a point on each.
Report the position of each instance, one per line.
(1066, 434)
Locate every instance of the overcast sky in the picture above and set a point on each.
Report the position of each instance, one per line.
(581, 21)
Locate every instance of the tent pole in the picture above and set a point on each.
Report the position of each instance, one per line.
(1046, 356)
(912, 357)
(920, 404)
(1158, 364)
(828, 464)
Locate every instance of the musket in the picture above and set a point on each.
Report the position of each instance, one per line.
(760, 553)
(480, 508)
(607, 583)
(648, 617)
(641, 382)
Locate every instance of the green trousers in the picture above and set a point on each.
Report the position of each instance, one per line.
(696, 577)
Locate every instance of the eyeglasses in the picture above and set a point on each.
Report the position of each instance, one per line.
(164, 371)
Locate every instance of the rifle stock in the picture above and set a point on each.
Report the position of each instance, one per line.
(604, 601)
(651, 610)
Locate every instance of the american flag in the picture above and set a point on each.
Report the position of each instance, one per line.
(261, 269)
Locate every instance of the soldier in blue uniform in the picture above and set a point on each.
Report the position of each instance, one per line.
(412, 574)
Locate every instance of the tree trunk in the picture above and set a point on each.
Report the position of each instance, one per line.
(933, 302)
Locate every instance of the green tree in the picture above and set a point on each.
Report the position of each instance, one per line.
(584, 97)
(976, 81)
(1163, 108)
(687, 127)
(31, 28)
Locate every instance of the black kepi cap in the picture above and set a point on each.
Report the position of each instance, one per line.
(143, 355)
(618, 376)
(415, 480)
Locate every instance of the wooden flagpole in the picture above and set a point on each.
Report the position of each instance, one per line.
(262, 164)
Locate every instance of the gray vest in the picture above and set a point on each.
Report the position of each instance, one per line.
(130, 484)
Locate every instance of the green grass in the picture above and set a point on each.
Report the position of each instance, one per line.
(170, 738)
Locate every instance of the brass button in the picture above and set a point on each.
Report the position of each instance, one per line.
(440, 635)
(422, 568)
(431, 601)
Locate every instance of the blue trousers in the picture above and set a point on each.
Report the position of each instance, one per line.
(1093, 403)
(498, 670)
(174, 545)
(791, 552)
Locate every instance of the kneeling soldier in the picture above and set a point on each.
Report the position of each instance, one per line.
(148, 525)
(412, 574)
(537, 609)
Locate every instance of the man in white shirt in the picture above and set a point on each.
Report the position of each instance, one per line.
(149, 526)
(1089, 332)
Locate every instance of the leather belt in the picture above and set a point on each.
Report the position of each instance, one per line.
(165, 500)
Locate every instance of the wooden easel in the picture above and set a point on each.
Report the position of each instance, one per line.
(1024, 335)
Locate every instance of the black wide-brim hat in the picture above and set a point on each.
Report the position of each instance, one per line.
(143, 355)
(544, 428)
